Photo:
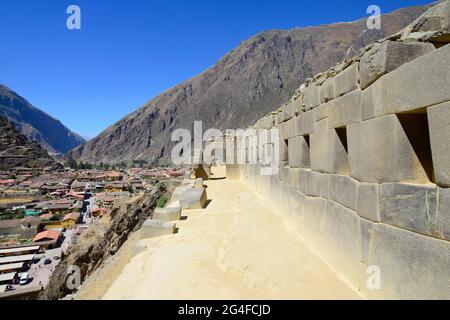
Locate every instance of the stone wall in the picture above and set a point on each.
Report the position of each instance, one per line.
(365, 162)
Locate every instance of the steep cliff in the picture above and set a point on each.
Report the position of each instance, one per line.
(17, 151)
(102, 241)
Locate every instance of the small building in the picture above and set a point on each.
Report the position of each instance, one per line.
(71, 219)
(113, 176)
(12, 267)
(99, 212)
(115, 187)
(19, 251)
(50, 225)
(49, 239)
(9, 228)
(29, 227)
(61, 208)
(16, 259)
(8, 278)
(77, 186)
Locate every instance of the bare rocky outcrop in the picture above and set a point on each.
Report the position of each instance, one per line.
(17, 151)
(102, 241)
(244, 85)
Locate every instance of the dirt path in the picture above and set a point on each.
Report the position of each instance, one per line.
(237, 248)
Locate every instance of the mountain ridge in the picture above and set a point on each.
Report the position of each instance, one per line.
(36, 124)
(249, 81)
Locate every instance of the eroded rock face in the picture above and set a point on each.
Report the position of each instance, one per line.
(432, 26)
(244, 85)
(17, 151)
(101, 242)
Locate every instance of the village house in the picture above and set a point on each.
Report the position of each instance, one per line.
(115, 187)
(112, 176)
(71, 219)
(49, 239)
(58, 208)
(50, 225)
(78, 187)
(99, 212)
(29, 227)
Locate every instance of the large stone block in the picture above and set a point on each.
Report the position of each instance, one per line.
(287, 112)
(322, 111)
(344, 190)
(194, 199)
(412, 266)
(387, 56)
(188, 183)
(411, 207)
(432, 26)
(325, 185)
(304, 123)
(369, 201)
(198, 183)
(287, 129)
(340, 240)
(413, 86)
(327, 91)
(298, 152)
(311, 97)
(218, 171)
(346, 110)
(167, 214)
(314, 184)
(298, 105)
(379, 151)
(314, 210)
(178, 192)
(293, 178)
(156, 228)
(347, 80)
(439, 124)
(268, 122)
(304, 180)
(319, 146)
(443, 212)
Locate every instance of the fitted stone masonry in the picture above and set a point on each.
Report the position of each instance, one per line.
(364, 170)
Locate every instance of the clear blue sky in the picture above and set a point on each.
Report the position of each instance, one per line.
(127, 52)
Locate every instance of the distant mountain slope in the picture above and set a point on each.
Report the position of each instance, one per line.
(247, 83)
(17, 151)
(38, 126)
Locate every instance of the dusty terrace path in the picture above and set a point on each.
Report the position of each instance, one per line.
(237, 248)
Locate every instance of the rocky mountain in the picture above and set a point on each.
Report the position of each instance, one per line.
(247, 83)
(36, 125)
(17, 151)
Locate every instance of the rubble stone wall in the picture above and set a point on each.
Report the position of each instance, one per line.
(365, 164)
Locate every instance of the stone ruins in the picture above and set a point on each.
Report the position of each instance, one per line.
(365, 162)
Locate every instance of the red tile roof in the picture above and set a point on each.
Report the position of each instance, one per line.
(72, 216)
(47, 235)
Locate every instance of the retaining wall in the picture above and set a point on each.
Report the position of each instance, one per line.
(365, 163)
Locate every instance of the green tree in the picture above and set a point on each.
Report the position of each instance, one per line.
(162, 201)
(56, 217)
